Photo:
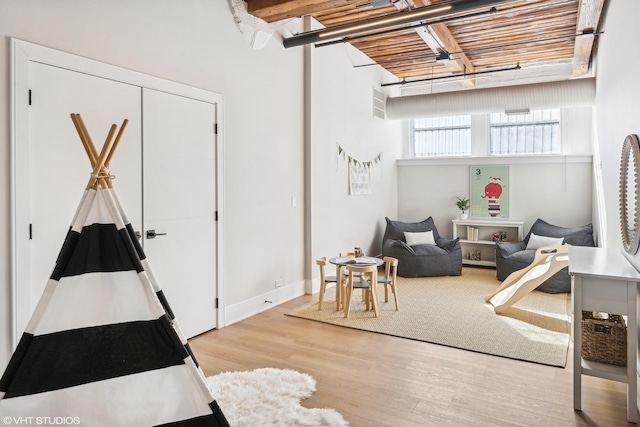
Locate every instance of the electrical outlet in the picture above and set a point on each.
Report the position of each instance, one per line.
(278, 283)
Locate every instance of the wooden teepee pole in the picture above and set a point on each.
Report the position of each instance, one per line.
(99, 161)
(115, 143)
(99, 171)
(86, 139)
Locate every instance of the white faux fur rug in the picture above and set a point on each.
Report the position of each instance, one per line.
(270, 397)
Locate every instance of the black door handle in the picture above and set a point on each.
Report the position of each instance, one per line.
(151, 234)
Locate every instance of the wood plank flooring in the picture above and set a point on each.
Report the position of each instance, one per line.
(376, 380)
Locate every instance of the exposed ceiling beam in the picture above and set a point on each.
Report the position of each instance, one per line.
(461, 62)
(276, 10)
(588, 19)
(460, 42)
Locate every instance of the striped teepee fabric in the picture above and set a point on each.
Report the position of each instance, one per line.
(102, 346)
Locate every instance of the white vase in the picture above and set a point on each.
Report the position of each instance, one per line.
(463, 215)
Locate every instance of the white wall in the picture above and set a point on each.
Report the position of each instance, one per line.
(342, 113)
(617, 110)
(557, 191)
(197, 43)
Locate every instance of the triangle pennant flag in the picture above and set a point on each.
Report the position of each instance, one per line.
(357, 162)
(102, 346)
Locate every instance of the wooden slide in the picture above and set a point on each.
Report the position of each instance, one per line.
(547, 262)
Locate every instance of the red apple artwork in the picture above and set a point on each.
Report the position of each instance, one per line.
(492, 191)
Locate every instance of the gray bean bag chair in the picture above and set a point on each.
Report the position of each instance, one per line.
(442, 257)
(513, 256)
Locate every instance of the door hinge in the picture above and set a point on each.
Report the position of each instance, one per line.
(29, 96)
(215, 128)
(216, 302)
(216, 215)
(30, 231)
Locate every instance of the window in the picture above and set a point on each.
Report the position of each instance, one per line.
(442, 136)
(499, 134)
(537, 132)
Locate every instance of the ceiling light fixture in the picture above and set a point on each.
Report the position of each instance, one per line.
(386, 21)
(443, 57)
(450, 76)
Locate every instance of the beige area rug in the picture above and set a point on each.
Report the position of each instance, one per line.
(451, 311)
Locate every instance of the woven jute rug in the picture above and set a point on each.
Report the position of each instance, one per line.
(451, 311)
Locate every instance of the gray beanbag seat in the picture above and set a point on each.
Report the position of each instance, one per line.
(444, 258)
(513, 256)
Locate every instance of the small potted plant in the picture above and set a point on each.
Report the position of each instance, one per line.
(463, 204)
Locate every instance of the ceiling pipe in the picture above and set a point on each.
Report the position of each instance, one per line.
(429, 79)
(438, 10)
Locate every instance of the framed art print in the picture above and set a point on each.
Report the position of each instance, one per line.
(489, 191)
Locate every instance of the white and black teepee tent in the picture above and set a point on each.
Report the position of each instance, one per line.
(102, 346)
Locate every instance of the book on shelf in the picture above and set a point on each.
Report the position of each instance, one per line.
(472, 233)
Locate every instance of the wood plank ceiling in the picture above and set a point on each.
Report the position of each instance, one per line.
(525, 32)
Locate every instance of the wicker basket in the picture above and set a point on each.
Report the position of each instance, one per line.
(604, 338)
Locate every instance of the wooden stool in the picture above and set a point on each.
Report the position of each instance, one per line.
(389, 279)
(370, 288)
(322, 262)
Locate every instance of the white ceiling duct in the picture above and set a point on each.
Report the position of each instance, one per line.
(255, 31)
(569, 93)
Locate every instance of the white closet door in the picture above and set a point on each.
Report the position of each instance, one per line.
(59, 167)
(179, 204)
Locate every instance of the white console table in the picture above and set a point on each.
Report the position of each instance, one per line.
(604, 281)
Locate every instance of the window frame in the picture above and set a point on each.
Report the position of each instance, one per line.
(524, 124)
(412, 132)
(481, 138)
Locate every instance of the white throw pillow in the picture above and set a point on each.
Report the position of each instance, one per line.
(537, 242)
(424, 238)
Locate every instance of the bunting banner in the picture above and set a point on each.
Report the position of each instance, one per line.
(359, 172)
(352, 160)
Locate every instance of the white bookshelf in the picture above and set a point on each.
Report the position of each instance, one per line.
(483, 242)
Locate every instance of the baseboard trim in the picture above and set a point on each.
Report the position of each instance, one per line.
(245, 309)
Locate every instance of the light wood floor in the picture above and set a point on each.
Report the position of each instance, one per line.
(378, 380)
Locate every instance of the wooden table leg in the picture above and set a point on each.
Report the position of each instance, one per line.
(338, 287)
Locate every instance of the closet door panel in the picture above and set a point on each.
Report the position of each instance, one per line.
(179, 204)
(59, 167)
